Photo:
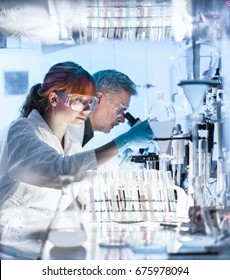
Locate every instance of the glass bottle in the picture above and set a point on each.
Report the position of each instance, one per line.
(66, 228)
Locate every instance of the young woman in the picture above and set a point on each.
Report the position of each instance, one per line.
(38, 149)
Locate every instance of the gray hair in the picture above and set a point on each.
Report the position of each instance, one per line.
(113, 82)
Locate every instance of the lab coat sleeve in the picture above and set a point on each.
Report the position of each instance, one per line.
(31, 160)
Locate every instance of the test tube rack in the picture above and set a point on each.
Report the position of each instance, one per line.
(135, 196)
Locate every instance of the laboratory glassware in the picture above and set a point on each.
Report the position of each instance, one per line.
(200, 228)
(161, 118)
(195, 91)
(66, 229)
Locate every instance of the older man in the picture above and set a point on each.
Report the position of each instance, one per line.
(114, 90)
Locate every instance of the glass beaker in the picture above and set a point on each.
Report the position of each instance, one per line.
(66, 228)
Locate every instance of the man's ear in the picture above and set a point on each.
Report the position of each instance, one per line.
(53, 98)
(100, 95)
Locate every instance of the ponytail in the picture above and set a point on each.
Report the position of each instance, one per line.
(34, 100)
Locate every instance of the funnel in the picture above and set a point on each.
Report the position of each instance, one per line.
(195, 91)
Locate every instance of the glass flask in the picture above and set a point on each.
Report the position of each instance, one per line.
(66, 228)
(161, 118)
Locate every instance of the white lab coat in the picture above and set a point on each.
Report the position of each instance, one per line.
(3, 131)
(77, 132)
(31, 160)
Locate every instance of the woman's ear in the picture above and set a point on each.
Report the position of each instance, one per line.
(53, 98)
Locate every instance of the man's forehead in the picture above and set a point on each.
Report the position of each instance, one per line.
(124, 97)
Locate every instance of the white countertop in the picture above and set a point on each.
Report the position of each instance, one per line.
(120, 241)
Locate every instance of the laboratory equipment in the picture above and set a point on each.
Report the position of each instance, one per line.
(127, 154)
(135, 196)
(131, 120)
(178, 153)
(161, 118)
(200, 230)
(66, 229)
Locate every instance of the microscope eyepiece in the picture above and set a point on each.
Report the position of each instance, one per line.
(131, 120)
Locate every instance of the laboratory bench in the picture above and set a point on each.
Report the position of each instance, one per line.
(131, 241)
(135, 241)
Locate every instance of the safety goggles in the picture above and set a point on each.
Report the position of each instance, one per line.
(78, 102)
(117, 106)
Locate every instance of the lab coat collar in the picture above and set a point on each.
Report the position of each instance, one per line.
(71, 142)
(38, 120)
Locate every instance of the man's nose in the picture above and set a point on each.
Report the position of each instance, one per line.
(121, 118)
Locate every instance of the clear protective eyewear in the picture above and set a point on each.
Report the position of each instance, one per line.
(119, 108)
(78, 102)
